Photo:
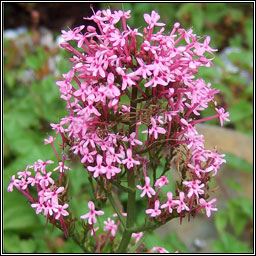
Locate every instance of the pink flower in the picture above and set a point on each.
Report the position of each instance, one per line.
(152, 20)
(222, 115)
(49, 140)
(61, 167)
(98, 169)
(155, 129)
(39, 207)
(137, 236)
(14, 183)
(170, 203)
(46, 179)
(132, 139)
(91, 215)
(147, 189)
(154, 212)
(208, 206)
(60, 211)
(181, 205)
(129, 161)
(93, 231)
(159, 250)
(53, 195)
(161, 182)
(111, 170)
(110, 226)
(194, 187)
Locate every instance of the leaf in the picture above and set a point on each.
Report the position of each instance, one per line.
(238, 163)
(18, 214)
(221, 220)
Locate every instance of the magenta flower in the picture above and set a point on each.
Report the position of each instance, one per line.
(147, 189)
(181, 204)
(155, 211)
(208, 206)
(91, 215)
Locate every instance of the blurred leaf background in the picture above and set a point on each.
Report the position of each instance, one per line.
(33, 62)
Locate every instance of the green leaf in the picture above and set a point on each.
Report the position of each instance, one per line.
(238, 163)
(221, 220)
(18, 214)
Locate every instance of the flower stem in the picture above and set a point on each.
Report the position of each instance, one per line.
(132, 193)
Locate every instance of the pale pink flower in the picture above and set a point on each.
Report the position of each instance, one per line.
(147, 189)
(222, 115)
(159, 250)
(152, 20)
(91, 215)
(60, 211)
(155, 211)
(137, 236)
(98, 169)
(111, 170)
(161, 182)
(129, 161)
(194, 187)
(61, 167)
(14, 183)
(155, 129)
(49, 140)
(110, 226)
(181, 204)
(208, 206)
(170, 203)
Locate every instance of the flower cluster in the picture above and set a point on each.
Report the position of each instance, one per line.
(114, 137)
(49, 194)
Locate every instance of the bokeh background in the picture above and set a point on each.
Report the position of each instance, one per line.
(33, 62)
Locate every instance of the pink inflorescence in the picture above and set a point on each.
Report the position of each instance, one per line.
(156, 71)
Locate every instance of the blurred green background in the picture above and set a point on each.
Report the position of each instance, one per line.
(33, 62)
